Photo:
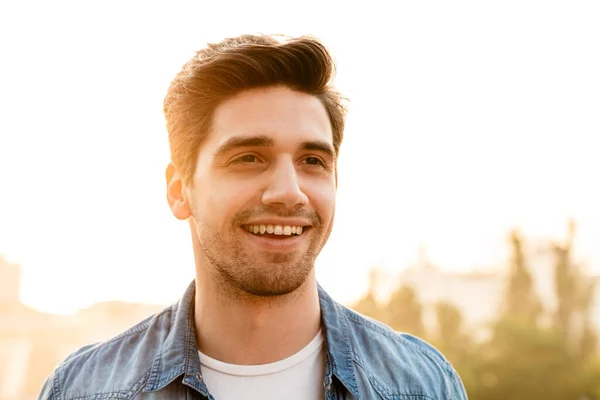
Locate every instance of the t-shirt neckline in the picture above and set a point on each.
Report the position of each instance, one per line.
(264, 369)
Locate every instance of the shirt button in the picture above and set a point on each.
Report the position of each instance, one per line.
(199, 376)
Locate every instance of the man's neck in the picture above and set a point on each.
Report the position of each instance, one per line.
(258, 330)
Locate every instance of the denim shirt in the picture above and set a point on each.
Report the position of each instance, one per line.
(158, 359)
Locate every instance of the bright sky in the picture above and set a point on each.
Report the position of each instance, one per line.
(467, 119)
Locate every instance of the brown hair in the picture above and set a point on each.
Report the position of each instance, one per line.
(225, 69)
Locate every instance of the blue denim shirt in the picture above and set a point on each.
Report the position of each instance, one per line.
(158, 359)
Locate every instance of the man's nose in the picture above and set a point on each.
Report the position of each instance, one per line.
(283, 189)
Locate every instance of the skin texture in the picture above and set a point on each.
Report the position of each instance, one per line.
(267, 158)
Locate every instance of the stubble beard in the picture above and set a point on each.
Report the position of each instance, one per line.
(239, 270)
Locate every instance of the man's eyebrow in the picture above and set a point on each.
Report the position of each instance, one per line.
(244, 141)
(318, 145)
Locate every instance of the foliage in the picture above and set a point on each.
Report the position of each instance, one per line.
(521, 357)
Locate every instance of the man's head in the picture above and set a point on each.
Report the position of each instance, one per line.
(255, 129)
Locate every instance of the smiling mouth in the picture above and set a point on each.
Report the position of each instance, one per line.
(279, 231)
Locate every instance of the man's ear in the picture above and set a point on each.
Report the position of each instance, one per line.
(175, 195)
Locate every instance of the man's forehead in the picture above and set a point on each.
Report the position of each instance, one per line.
(277, 112)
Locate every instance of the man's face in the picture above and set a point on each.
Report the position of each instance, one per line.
(263, 194)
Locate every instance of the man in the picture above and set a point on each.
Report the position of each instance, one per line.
(255, 128)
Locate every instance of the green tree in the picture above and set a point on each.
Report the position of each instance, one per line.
(449, 336)
(574, 294)
(521, 357)
(402, 312)
(368, 304)
(405, 312)
(520, 301)
(523, 360)
(455, 344)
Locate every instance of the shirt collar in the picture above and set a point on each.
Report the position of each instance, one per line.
(337, 337)
(179, 353)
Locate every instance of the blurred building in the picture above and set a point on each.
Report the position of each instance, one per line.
(479, 295)
(33, 343)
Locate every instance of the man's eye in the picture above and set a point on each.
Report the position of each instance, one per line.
(248, 158)
(314, 161)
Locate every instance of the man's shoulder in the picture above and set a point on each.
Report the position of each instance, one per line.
(400, 363)
(376, 334)
(120, 365)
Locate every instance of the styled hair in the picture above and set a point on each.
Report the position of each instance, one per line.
(222, 70)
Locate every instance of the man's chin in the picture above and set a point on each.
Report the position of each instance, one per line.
(270, 292)
(277, 283)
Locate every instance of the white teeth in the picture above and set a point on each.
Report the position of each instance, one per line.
(279, 230)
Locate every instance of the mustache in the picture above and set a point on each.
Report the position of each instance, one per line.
(245, 215)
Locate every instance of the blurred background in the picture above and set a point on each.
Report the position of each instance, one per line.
(468, 204)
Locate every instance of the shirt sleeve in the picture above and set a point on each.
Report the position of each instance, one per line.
(47, 392)
(457, 388)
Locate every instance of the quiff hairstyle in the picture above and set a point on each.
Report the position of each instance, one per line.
(222, 70)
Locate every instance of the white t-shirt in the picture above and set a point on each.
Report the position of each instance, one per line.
(299, 376)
